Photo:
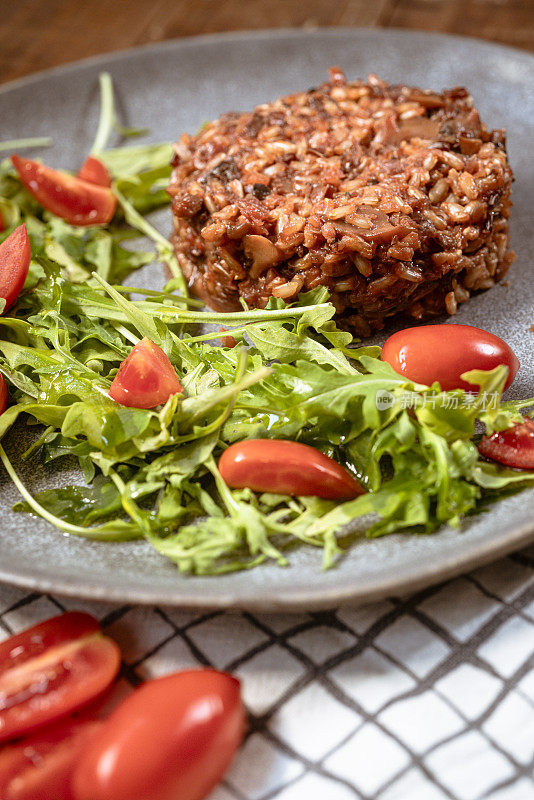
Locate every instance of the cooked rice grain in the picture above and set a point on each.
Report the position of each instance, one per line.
(395, 198)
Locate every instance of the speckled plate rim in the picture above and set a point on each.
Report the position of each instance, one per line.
(297, 599)
(246, 35)
(288, 601)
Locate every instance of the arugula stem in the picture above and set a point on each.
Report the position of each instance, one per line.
(189, 301)
(163, 246)
(254, 315)
(131, 337)
(20, 144)
(224, 492)
(230, 391)
(102, 533)
(514, 405)
(65, 351)
(139, 222)
(185, 315)
(38, 443)
(142, 321)
(208, 337)
(128, 503)
(107, 113)
(239, 375)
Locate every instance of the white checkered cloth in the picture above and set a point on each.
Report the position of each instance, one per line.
(429, 698)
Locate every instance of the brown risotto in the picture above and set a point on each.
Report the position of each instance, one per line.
(395, 198)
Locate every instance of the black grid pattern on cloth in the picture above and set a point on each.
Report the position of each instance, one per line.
(377, 698)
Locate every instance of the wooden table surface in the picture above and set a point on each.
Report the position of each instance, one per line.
(36, 34)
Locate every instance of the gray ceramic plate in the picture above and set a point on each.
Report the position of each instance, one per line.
(174, 87)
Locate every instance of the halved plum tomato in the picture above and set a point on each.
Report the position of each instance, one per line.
(4, 396)
(94, 171)
(513, 447)
(171, 738)
(444, 352)
(76, 201)
(285, 467)
(146, 378)
(39, 767)
(51, 670)
(15, 257)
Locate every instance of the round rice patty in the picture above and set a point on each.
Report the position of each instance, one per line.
(395, 198)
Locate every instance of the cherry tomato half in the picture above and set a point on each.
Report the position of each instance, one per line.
(4, 396)
(15, 256)
(146, 378)
(94, 171)
(513, 447)
(51, 670)
(172, 738)
(284, 467)
(76, 201)
(444, 352)
(40, 766)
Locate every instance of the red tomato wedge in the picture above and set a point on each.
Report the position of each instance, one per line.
(51, 670)
(444, 352)
(172, 738)
(513, 447)
(76, 201)
(4, 396)
(284, 467)
(15, 257)
(146, 378)
(94, 171)
(40, 766)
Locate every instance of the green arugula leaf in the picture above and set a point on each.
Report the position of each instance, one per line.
(153, 473)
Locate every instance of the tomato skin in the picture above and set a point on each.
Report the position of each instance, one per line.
(52, 632)
(76, 201)
(4, 395)
(52, 670)
(228, 340)
(40, 766)
(444, 352)
(513, 447)
(146, 378)
(15, 257)
(285, 467)
(94, 171)
(172, 738)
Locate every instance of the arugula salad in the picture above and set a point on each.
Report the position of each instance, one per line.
(294, 374)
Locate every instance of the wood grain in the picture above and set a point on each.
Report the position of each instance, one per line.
(37, 34)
